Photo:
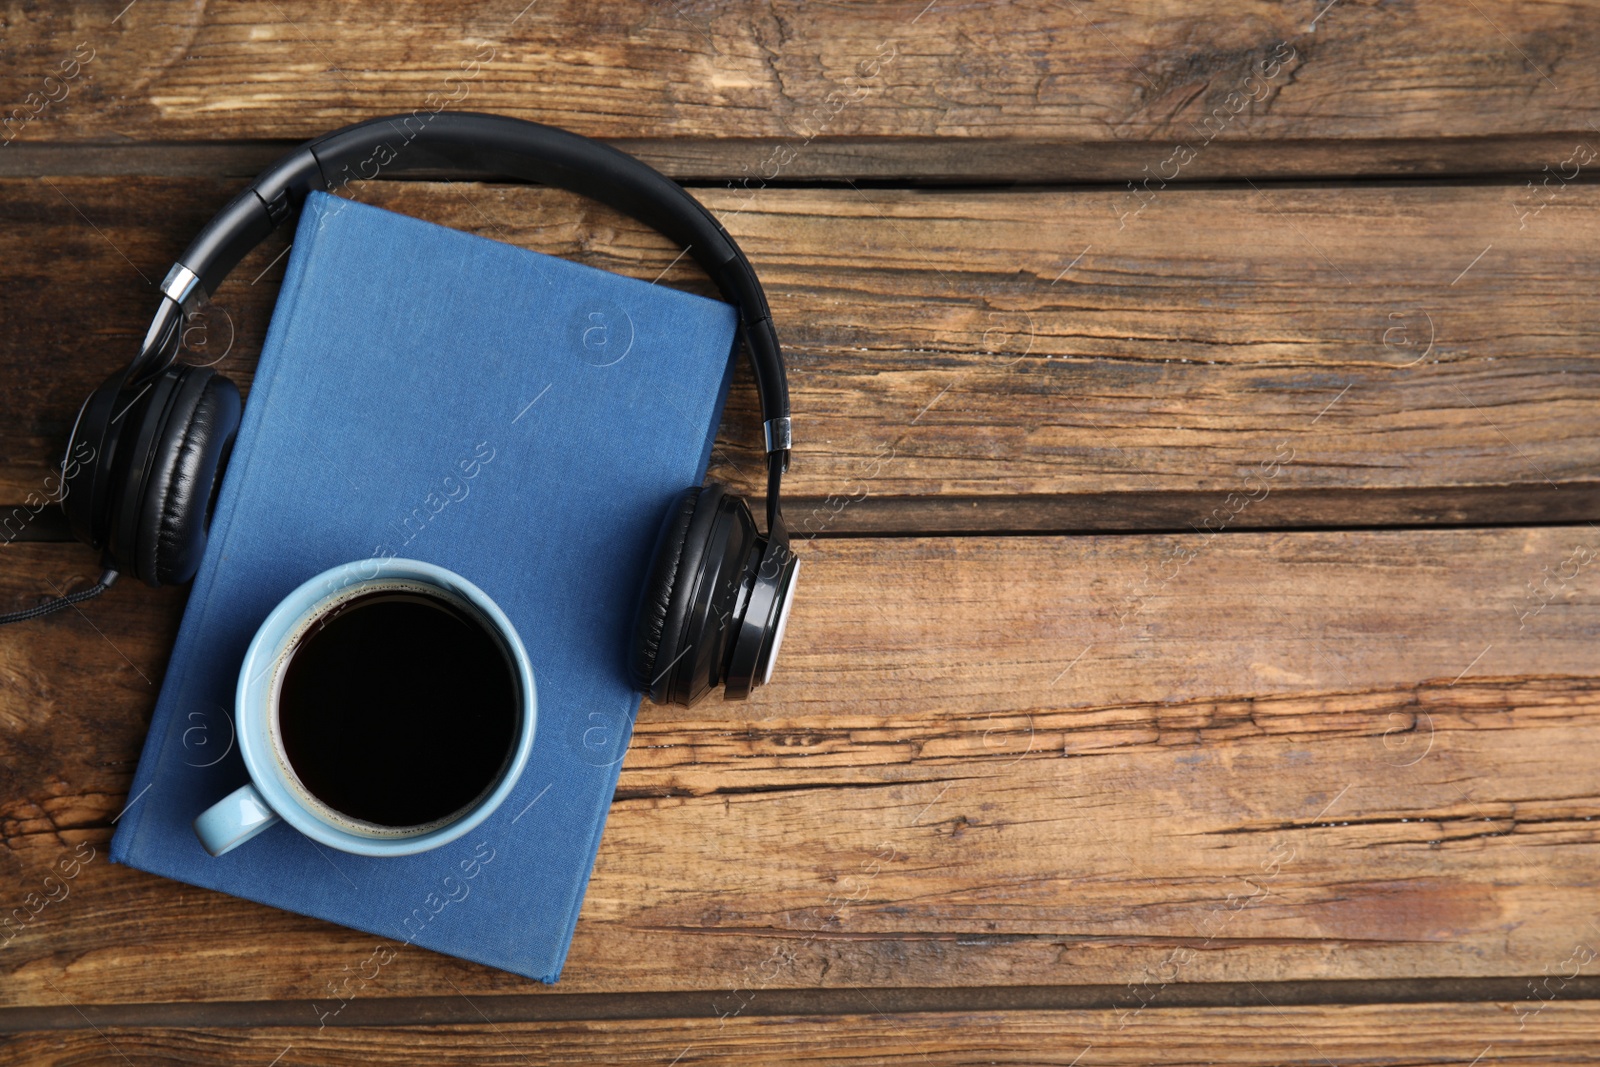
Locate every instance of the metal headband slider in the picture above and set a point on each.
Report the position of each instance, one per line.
(777, 431)
(183, 285)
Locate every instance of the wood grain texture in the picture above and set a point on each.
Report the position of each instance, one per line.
(1409, 1035)
(805, 90)
(983, 762)
(1150, 798)
(1032, 359)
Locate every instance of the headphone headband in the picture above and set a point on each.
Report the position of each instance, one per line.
(455, 141)
(159, 435)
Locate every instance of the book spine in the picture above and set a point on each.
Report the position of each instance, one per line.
(716, 412)
(159, 745)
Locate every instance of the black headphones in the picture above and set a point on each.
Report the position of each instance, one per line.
(146, 454)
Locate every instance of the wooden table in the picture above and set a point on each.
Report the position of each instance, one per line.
(1196, 660)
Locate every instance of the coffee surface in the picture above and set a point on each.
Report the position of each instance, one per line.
(398, 708)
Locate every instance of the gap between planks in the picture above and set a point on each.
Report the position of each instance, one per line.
(559, 1007)
(1138, 512)
(903, 161)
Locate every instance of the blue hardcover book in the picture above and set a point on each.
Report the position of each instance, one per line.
(521, 420)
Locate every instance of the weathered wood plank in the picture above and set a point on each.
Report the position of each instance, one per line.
(1409, 1035)
(1036, 358)
(804, 90)
(983, 761)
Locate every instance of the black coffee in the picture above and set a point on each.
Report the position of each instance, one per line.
(399, 708)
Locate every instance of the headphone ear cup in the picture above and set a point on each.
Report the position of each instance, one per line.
(655, 603)
(699, 584)
(185, 468)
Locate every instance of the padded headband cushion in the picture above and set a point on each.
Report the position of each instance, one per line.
(189, 452)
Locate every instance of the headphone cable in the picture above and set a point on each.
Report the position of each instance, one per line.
(106, 578)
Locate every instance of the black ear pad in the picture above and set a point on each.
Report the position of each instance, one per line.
(86, 466)
(140, 420)
(169, 457)
(692, 608)
(716, 594)
(656, 601)
(184, 474)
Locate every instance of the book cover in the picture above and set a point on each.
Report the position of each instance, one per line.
(519, 419)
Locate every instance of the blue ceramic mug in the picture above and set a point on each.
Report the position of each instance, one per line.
(275, 792)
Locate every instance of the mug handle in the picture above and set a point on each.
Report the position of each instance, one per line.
(233, 820)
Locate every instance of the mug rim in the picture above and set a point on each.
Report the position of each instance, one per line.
(258, 672)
